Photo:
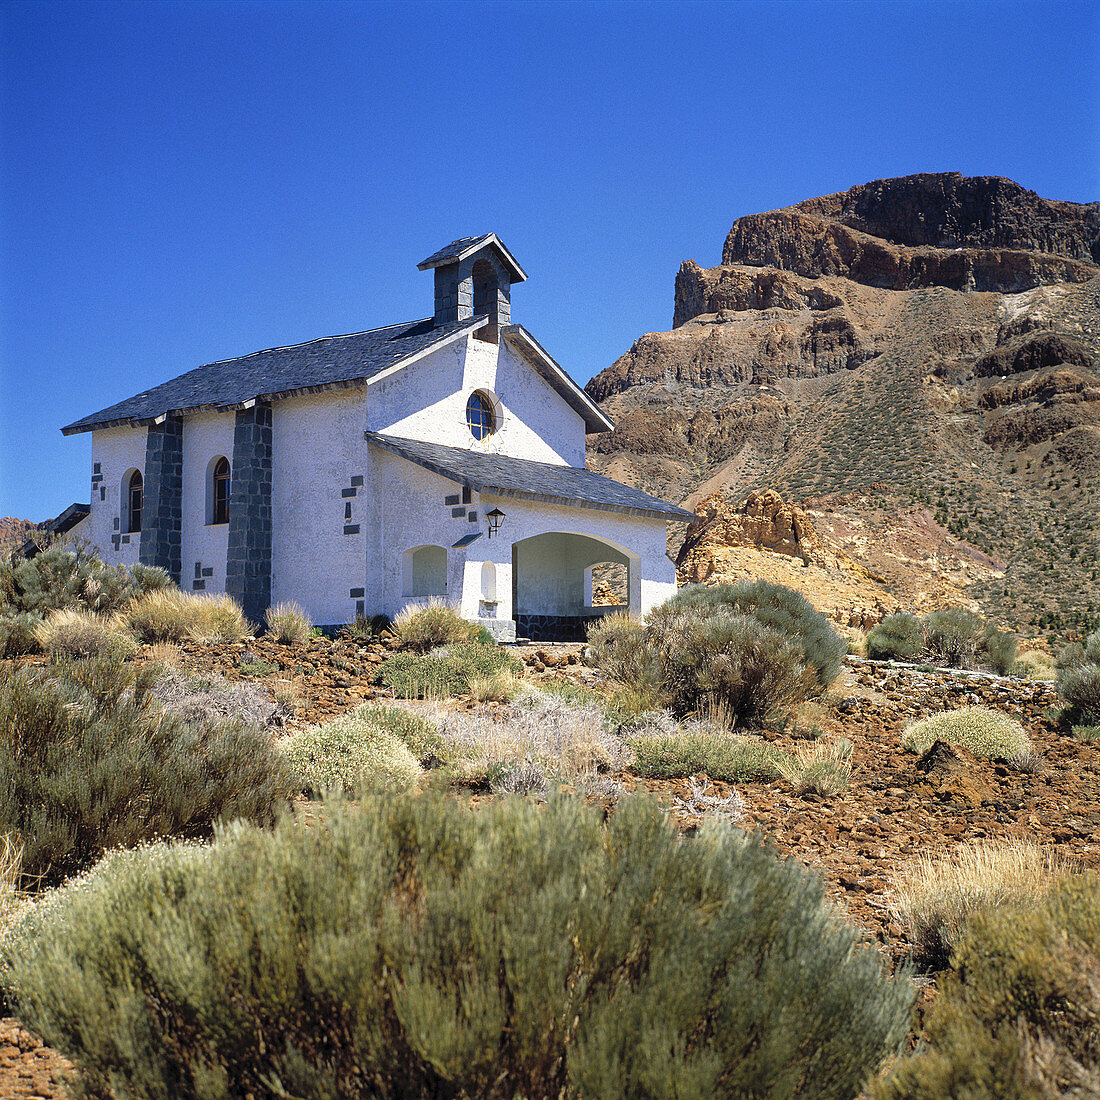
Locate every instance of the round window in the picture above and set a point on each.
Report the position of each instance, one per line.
(479, 416)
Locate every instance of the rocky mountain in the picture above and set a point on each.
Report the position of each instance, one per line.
(913, 363)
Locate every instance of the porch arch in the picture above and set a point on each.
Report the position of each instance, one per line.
(551, 583)
(424, 571)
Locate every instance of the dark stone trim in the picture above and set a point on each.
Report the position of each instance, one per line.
(357, 481)
(555, 628)
(348, 492)
(97, 468)
(456, 512)
(357, 593)
(198, 569)
(248, 558)
(117, 525)
(102, 493)
(360, 607)
(208, 571)
(162, 503)
(451, 499)
(472, 517)
(125, 540)
(347, 510)
(351, 528)
(198, 586)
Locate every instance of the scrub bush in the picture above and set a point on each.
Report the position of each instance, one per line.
(979, 730)
(88, 761)
(77, 634)
(1079, 681)
(952, 636)
(414, 948)
(351, 752)
(997, 649)
(937, 897)
(1017, 1017)
(211, 698)
(445, 672)
(823, 767)
(1034, 664)
(724, 756)
(174, 616)
(17, 635)
(76, 579)
(775, 606)
(898, 637)
(620, 646)
(288, 623)
(426, 626)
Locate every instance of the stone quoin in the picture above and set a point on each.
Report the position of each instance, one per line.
(440, 458)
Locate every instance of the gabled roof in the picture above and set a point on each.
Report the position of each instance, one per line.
(460, 249)
(500, 475)
(330, 363)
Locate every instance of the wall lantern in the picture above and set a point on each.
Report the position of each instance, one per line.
(495, 518)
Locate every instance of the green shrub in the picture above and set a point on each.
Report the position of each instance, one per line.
(952, 636)
(351, 752)
(78, 634)
(997, 649)
(979, 730)
(1017, 1017)
(432, 624)
(725, 756)
(419, 735)
(17, 633)
(88, 761)
(444, 673)
(170, 615)
(288, 623)
(782, 609)
(413, 948)
(61, 577)
(898, 637)
(1034, 664)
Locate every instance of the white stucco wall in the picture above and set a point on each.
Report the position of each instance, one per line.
(427, 400)
(205, 437)
(317, 449)
(117, 450)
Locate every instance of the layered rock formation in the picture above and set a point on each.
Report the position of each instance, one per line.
(935, 336)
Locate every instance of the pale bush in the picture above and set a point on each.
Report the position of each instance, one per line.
(352, 752)
(79, 634)
(897, 637)
(936, 897)
(11, 871)
(952, 636)
(824, 767)
(619, 646)
(979, 730)
(433, 623)
(17, 633)
(288, 623)
(1034, 664)
(168, 615)
(211, 698)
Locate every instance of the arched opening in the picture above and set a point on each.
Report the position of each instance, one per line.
(424, 571)
(487, 605)
(132, 500)
(606, 584)
(217, 490)
(552, 583)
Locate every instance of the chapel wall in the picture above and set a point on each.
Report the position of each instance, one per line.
(115, 451)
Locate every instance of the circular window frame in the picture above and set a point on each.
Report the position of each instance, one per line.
(485, 425)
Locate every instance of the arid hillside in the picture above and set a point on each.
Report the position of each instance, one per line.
(919, 355)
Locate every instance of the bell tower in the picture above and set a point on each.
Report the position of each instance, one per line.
(473, 278)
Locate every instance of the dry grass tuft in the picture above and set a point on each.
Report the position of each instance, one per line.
(823, 767)
(1034, 664)
(288, 623)
(165, 653)
(501, 686)
(169, 615)
(435, 622)
(83, 634)
(938, 896)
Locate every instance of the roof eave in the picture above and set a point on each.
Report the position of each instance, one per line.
(595, 419)
(676, 515)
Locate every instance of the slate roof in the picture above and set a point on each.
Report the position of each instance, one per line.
(331, 362)
(522, 477)
(456, 250)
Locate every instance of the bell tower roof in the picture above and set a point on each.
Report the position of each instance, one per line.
(466, 247)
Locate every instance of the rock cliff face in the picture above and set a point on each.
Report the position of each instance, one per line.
(935, 337)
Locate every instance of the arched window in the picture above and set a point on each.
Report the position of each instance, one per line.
(479, 416)
(134, 496)
(219, 492)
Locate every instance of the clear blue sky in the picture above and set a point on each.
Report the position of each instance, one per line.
(185, 182)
